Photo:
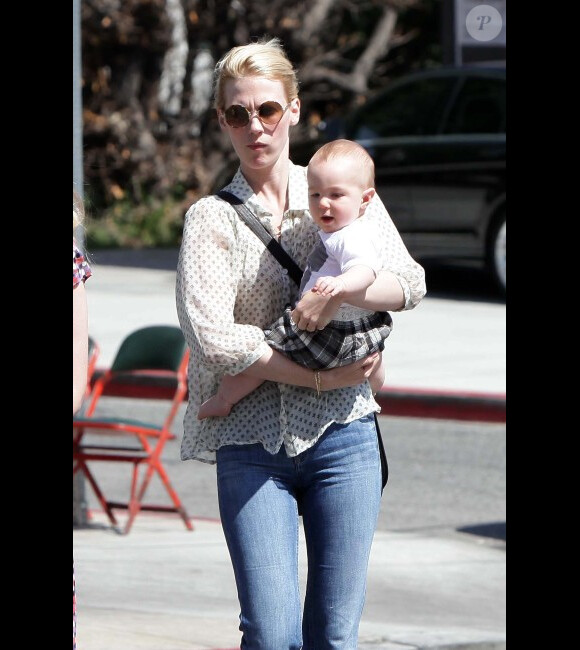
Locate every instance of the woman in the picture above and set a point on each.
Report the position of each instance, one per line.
(294, 442)
(81, 272)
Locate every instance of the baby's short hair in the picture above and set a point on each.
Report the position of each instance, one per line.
(348, 148)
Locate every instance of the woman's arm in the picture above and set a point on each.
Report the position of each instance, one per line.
(80, 345)
(315, 311)
(274, 366)
(384, 294)
(219, 250)
(398, 264)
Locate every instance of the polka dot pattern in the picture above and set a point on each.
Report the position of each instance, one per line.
(229, 289)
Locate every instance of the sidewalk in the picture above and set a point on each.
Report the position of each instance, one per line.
(164, 588)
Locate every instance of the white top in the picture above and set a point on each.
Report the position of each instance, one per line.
(336, 252)
(230, 288)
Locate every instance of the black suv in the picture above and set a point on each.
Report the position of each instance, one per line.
(438, 139)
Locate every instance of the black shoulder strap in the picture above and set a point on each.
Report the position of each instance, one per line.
(258, 229)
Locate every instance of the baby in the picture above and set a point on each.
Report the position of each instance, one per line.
(343, 262)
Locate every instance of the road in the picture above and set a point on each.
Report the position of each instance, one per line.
(444, 475)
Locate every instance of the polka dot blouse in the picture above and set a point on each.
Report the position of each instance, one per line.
(229, 288)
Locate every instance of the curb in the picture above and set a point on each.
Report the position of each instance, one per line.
(405, 402)
(447, 405)
(399, 645)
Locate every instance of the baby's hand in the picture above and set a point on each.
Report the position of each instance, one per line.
(329, 286)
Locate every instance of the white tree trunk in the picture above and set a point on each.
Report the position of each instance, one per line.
(201, 87)
(378, 46)
(174, 62)
(314, 19)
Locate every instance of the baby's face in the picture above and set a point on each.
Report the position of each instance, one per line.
(336, 194)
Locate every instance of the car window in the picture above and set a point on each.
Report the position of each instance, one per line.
(415, 108)
(479, 108)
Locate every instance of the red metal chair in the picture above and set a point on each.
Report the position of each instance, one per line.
(150, 359)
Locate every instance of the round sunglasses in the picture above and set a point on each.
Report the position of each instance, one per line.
(269, 113)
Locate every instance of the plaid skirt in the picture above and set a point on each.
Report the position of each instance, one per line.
(338, 344)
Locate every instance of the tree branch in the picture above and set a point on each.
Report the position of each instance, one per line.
(314, 18)
(377, 48)
(357, 79)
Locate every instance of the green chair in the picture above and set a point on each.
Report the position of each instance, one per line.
(150, 361)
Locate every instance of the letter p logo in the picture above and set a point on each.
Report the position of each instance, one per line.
(484, 23)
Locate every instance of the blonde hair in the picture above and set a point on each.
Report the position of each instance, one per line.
(264, 58)
(349, 149)
(78, 209)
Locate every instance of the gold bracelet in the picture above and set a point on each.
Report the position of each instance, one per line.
(317, 382)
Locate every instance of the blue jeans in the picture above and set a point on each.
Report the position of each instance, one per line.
(338, 482)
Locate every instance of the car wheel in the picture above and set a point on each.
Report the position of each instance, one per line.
(497, 252)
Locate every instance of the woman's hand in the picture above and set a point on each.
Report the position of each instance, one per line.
(314, 311)
(351, 374)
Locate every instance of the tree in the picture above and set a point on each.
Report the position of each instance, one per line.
(149, 130)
